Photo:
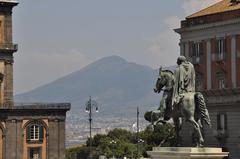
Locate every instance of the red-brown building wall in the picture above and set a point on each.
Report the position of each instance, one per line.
(227, 66)
(224, 65)
(238, 60)
(201, 67)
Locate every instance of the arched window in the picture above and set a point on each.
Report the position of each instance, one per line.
(35, 132)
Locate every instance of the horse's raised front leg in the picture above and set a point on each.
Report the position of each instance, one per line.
(197, 131)
(177, 126)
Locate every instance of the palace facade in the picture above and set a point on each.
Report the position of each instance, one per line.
(210, 39)
(27, 131)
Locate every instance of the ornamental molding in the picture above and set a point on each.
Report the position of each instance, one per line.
(206, 26)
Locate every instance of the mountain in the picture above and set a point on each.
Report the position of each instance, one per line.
(117, 85)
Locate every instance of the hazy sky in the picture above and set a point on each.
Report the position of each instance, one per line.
(57, 37)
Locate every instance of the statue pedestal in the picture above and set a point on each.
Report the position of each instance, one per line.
(186, 153)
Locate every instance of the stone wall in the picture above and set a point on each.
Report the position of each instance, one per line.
(229, 140)
(13, 142)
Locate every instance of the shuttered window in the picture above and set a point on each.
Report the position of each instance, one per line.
(196, 49)
(35, 132)
(221, 48)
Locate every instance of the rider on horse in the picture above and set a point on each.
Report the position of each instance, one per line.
(184, 80)
(180, 101)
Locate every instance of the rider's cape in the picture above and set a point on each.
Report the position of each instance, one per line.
(184, 81)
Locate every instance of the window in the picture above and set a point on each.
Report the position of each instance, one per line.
(221, 49)
(222, 121)
(35, 132)
(35, 153)
(221, 79)
(197, 52)
(197, 49)
(221, 83)
(199, 81)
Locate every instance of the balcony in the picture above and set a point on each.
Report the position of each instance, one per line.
(9, 47)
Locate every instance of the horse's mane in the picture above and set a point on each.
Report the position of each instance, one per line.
(169, 71)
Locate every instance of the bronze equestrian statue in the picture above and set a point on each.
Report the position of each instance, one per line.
(179, 100)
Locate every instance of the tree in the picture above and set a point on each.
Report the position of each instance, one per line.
(126, 143)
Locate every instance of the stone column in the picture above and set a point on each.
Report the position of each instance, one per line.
(19, 139)
(186, 49)
(8, 28)
(11, 138)
(182, 50)
(8, 87)
(2, 70)
(209, 65)
(53, 146)
(61, 125)
(233, 61)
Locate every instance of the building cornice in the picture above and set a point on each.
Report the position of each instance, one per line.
(222, 92)
(10, 2)
(207, 26)
(222, 96)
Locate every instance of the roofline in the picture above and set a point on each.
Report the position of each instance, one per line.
(190, 16)
(9, 2)
(42, 106)
(209, 25)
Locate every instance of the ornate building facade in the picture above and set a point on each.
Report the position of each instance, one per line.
(28, 131)
(210, 39)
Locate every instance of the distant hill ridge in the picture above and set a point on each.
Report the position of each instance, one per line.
(117, 85)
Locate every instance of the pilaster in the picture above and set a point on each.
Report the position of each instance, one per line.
(209, 65)
(11, 138)
(234, 61)
(61, 125)
(53, 139)
(182, 50)
(8, 87)
(187, 49)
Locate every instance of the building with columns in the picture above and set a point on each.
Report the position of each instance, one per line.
(210, 39)
(27, 131)
(7, 48)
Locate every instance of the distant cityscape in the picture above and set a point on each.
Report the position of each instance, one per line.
(77, 126)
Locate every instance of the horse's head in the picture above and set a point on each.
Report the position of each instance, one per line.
(161, 82)
(165, 78)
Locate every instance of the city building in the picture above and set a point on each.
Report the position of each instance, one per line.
(27, 131)
(210, 39)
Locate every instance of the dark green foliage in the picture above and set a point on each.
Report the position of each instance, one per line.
(151, 116)
(147, 116)
(77, 152)
(126, 143)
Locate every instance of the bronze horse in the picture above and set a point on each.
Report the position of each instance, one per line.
(191, 107)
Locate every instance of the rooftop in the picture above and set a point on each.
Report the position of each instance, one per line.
(9, 1)
(42, 106)
(222, 6)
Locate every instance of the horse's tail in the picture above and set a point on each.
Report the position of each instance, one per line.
(202, 109)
